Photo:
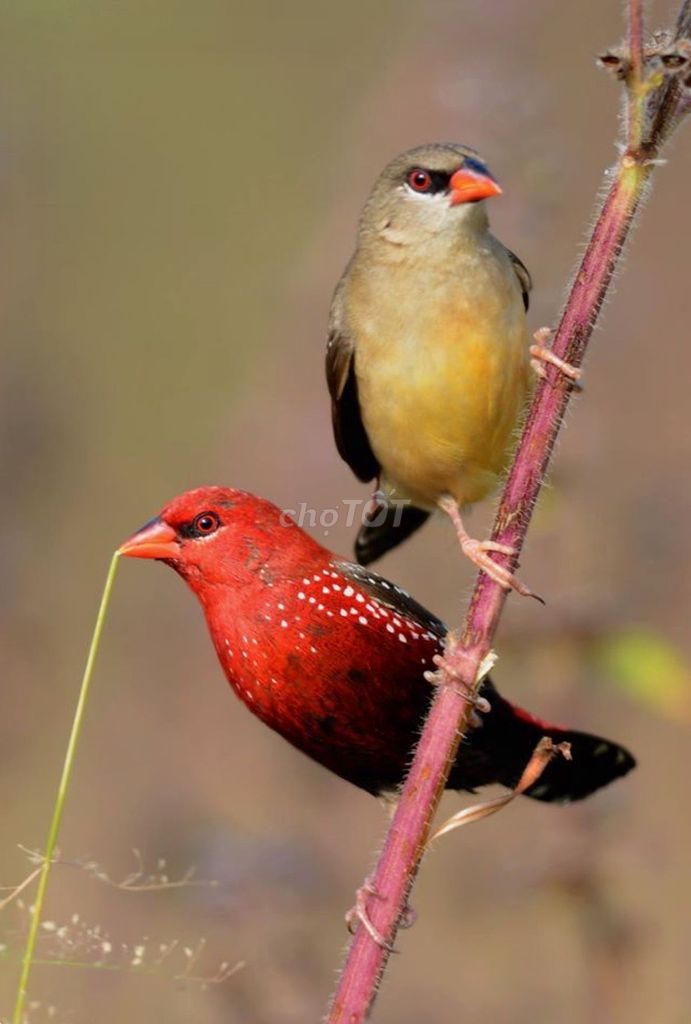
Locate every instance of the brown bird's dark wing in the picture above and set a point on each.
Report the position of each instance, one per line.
(523, 275)
(349, 430)
(392, 527)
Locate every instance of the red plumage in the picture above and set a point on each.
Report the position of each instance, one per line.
(332, 656)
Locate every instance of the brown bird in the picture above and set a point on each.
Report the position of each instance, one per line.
(428, 356)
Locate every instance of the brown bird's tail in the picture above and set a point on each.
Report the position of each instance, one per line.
(388, 528)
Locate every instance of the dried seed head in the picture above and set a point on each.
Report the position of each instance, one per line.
(662, 37)
(615, 62)
(673, 61)
(677, 56)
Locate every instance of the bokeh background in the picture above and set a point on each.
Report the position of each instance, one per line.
(179, 185)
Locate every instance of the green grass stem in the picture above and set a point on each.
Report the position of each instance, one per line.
(56, 819)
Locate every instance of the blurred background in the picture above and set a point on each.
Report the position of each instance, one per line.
(179, 186)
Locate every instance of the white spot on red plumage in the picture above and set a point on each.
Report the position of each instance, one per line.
(348, 592)
(301, 596)
(362, 620)
(284, 624)
(402, 638)
(360, 598)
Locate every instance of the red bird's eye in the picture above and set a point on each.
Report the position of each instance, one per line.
(419, 180)
(206, 523)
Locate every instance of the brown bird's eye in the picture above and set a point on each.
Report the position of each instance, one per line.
(419, 180)
(204, 524)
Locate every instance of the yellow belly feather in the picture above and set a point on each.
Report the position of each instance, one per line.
(443, 378)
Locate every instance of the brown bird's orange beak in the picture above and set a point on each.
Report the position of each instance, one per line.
(155, 540)
(467, 185)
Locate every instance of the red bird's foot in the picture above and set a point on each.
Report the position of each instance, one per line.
(446, 672)
(541, 354)
(358, 915)
(478, 551)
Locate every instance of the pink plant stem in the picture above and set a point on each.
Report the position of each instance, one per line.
(448, 717)
(636, 37)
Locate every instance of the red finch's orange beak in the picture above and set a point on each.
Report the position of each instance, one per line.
(467, 185)
(155, 540)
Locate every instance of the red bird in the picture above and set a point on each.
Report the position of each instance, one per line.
(333, 656)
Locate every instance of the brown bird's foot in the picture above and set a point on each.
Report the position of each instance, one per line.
(375, 506)
(478, 551)
(542, 353)
(358, 915)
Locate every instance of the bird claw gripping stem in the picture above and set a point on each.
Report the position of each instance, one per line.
(479, 551)
(447, 673)
(358, 915)
(542, 353)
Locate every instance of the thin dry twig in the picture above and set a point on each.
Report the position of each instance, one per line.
(135, 881)
(17, 890)
(545, 750)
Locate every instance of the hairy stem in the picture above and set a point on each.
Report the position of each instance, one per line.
(654, 105)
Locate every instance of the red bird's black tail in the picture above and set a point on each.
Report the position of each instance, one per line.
(508, 735)
(594, 763)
